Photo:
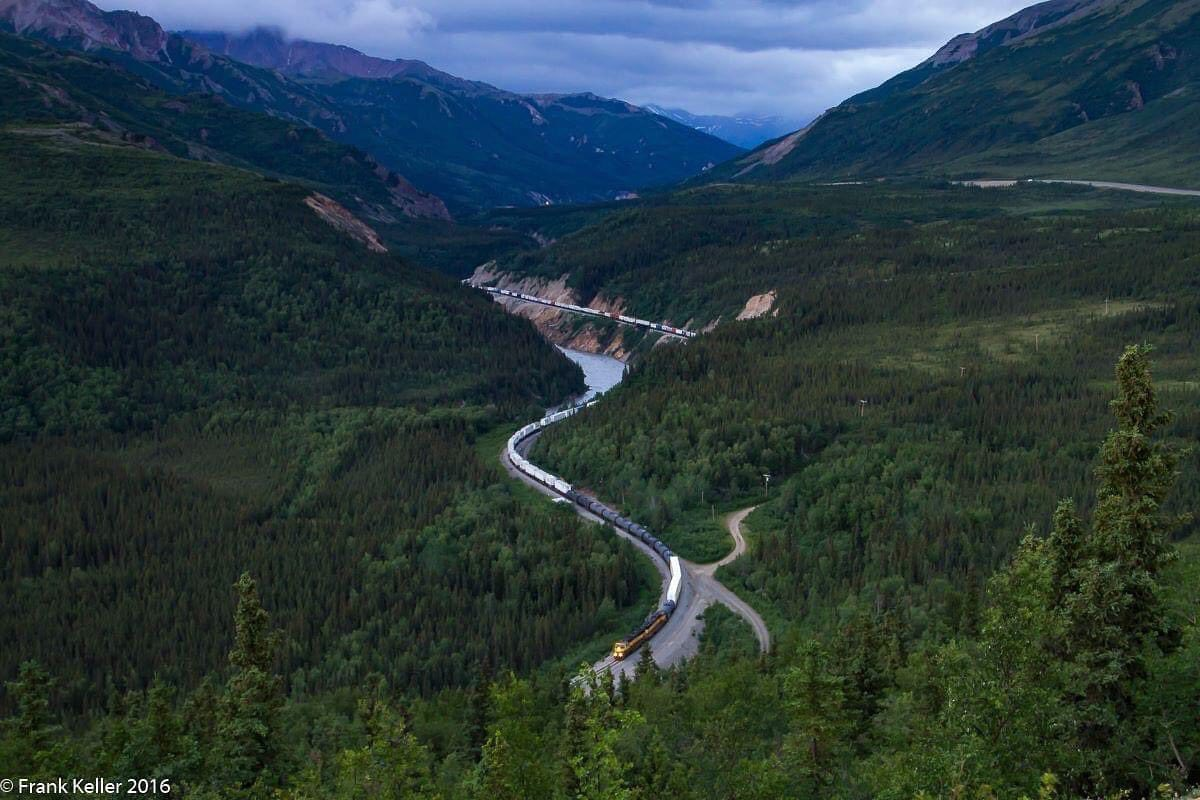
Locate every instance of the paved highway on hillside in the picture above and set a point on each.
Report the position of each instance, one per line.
(1121, 187)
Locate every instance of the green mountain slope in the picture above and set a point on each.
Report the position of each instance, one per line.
(477, 145)
(206, 377)
(138, 286)
(46, 84)
(697, 255)
(1106, 87)
(472, 144)
(496, 148)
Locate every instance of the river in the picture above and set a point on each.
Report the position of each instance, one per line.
(601, 373)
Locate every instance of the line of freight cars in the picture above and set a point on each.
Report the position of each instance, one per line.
(645, 323)
(658, 618)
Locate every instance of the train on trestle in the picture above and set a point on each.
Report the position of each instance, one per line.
(657, 619)
(644, 323)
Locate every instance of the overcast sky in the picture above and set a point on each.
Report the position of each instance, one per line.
(789, 57)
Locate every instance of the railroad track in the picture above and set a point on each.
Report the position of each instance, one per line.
(623, 319)
(688, 589)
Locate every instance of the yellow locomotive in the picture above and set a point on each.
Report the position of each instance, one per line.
(639, 637)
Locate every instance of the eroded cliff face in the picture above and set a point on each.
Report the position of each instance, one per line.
(341, 219)
(561, 327)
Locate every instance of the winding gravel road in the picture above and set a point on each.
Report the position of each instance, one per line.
(703, 576)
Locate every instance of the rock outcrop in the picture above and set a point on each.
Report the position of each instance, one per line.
(757, 306)
(85, 26)
(1028, 21)
(561, 327)
(341, 219)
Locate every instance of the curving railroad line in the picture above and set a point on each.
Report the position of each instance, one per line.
(658, 619)
(688, 589)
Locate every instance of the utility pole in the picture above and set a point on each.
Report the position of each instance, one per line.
(962, 371)
(1037, 345)
(1106, 306)
(766, 483)
(862, 407)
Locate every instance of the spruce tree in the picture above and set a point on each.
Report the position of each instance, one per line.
(594, 770)
(646, 669)
(31, 745)
(479, 713)
(248, 716)
(1106, 582)
(817, 742)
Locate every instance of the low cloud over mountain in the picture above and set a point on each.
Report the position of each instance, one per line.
(789, 57)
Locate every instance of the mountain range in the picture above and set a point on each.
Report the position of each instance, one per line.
(81, 97)
(1098, 89)
(467, 143)
(744, 130)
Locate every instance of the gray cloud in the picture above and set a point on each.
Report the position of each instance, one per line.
(790, 57)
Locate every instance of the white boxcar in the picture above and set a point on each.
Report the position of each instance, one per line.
(676, 580)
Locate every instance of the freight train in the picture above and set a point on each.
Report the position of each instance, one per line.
(592, 312)
(658, 618)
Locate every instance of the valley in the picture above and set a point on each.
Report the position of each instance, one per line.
(367, 431)
(678, 640)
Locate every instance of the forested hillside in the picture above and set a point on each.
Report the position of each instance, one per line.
(46, 84)
(981, 349)
(697, 255)
(1074, 677)
(201, 377)
(211, 284)
(932, 385)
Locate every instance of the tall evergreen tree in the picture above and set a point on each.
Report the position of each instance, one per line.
(155, 740)
(479, 713)
(594, 771)
(646, 669)
(514, 763)
(817, 742)
(248, 716)
(1107, 583)
(30, 744)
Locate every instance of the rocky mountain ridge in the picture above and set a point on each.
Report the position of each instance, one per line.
(1085, 89)
(469, 143)
(1035, 19)
(85, 26)
(476, 144)
(271, 48)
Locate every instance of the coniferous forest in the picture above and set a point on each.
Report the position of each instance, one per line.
(219, 382)
(256, 542)
(968, 598)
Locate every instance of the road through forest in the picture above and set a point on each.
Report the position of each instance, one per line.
(703, 576)
(1120, 187)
